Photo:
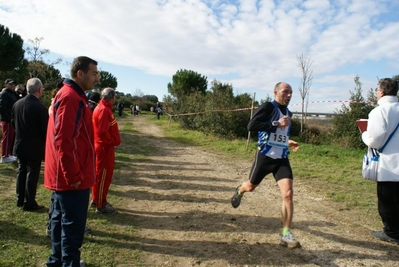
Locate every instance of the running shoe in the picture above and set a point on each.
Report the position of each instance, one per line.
(289, 241)
(108, 209)
(236, 199)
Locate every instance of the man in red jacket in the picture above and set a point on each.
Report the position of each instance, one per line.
(106, 137)
(69, 169)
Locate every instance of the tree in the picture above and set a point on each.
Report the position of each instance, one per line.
(305, 63)
(11, 50)
(19, 74)
(37, 65)
(267, 99)
(186, 88)
(150, 98)
(138, 93)
(186, 82)
(106, 80)
(344, 121)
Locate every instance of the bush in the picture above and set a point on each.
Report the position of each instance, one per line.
(312, 135)
(295, 126)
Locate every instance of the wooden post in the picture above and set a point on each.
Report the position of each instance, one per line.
(252, 111)
(170, 119)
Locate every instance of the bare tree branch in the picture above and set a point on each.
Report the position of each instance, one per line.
(305, 64)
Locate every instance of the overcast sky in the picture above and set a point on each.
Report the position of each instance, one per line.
(250, 44)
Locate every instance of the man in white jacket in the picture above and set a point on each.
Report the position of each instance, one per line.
(381, 123)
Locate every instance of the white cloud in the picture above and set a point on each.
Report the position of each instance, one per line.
(253, 42)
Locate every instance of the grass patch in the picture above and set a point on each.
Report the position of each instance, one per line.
(23, 241)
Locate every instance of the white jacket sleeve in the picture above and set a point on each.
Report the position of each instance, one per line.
(376, 129)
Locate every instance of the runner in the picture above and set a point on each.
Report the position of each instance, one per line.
(272, 120)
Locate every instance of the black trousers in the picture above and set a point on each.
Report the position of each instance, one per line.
(27, 179)
(388, 207)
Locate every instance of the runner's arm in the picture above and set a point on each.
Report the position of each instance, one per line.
(261, 118)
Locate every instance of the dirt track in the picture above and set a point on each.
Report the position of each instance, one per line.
(182, 206)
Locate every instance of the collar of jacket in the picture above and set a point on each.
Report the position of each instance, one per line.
(75, 86)
(9, 90)
(388, 99)
(106, 103)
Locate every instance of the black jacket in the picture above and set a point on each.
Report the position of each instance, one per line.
(7, 99)
(29, 118)
(260, 119)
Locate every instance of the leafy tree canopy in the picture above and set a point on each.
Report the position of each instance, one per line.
(150, 98)
(106, 80)
(11, 50)
(186, 82)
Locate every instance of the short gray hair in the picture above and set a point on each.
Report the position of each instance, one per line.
(107, 93)
(33, 85)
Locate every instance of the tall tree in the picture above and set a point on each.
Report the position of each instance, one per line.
(106, 80)
(345, 119)
(11, 50)
(305, 64)
(185, 82)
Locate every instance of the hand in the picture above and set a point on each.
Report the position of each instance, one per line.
(76, 185)
(294, 145)
(284, 122)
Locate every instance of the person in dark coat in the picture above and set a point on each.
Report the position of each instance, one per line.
(20, 91)
(94, 98)
(29, 118)
(120, 107)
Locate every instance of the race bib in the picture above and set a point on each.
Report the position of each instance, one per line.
(279, 140)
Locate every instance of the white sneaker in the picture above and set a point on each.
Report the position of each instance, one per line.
(8, 159)
(13, 157)
(289, 241)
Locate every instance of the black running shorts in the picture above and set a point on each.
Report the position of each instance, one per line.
(264, 165)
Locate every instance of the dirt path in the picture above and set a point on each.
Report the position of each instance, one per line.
(182, 206)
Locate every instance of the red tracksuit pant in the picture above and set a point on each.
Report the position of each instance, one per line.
(7, 139)
(105, 160)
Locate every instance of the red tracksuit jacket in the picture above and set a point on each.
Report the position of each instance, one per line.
(70, 155)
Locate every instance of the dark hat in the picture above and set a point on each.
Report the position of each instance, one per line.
(8, 81)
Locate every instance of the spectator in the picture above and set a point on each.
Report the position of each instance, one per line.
(137, 110)
(51, 208)
(106, 137)
(120, 107)
(20, 90)
(94, 99)
(382, 122)
(70, 162)
(158, 110)
(29, 118)
(59, 85)
(7, 100)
